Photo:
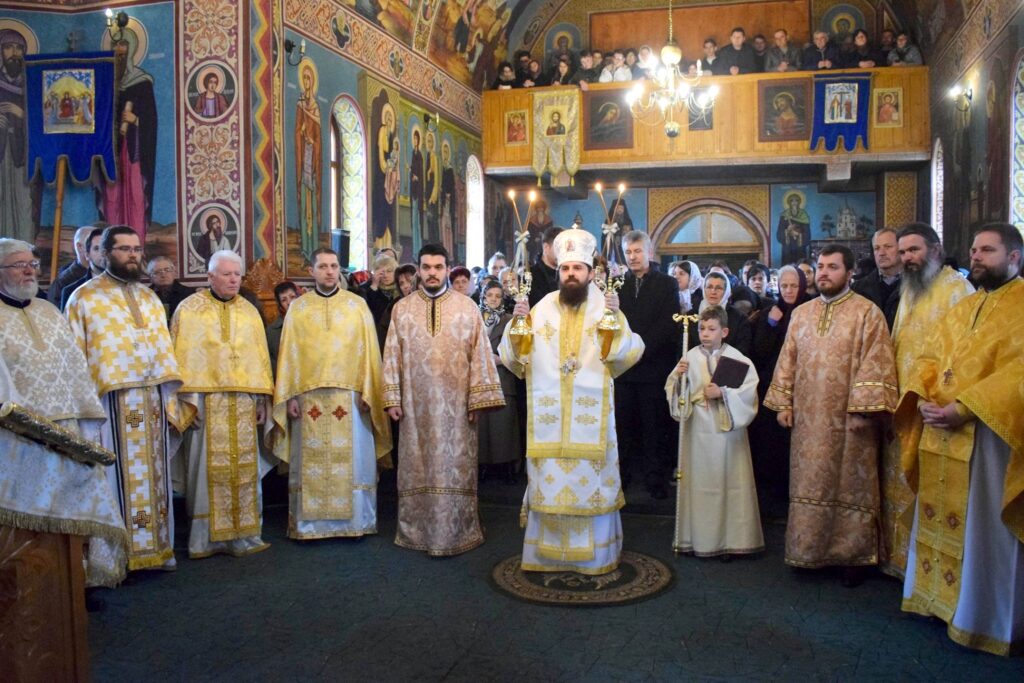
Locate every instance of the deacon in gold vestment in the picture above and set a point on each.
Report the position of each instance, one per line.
(121, 326)
(961, 427)
(329, 420)
(835, 372)
(438, 371)
(49, 375)
(574, 493)
(225, 368)
(928, 292)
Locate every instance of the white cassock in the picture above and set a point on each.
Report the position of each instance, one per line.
(717, 501)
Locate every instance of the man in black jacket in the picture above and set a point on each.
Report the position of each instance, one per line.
(882, 286)
(645, 429)
(545, 276)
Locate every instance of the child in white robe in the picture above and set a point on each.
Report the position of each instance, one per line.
(717, 503)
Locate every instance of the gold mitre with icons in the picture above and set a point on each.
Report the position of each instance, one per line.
(575, 245)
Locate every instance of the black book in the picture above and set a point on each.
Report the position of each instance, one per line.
(730, 373)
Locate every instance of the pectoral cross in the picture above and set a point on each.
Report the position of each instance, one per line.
(134, 419)
(947, 376)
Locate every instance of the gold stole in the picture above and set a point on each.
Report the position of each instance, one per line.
(327, 473)
(232, 465)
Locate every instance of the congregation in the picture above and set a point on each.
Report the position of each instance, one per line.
(856, 50)
(881, 415)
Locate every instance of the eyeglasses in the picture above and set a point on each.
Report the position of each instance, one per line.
(127, 250)
(22, 265)
(163, 271)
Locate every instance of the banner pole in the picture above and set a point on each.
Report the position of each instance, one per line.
(58, 215)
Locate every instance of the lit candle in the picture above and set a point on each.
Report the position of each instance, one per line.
(600, 195)
(515, 208)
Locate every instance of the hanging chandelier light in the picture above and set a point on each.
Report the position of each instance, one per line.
(671, 89)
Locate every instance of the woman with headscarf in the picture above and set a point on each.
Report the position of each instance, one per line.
(381, 292)
(716, 292)
(769, 441)
(687, 274)
(498, 431)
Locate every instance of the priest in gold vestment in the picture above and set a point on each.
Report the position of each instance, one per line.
(834, 377)
(438, 373)
(121, 326)
(961, 427)
(221, 348)
(928, 290)
(329, 422)
(574, 491)
(50, 378)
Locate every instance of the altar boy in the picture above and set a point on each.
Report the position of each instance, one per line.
(712, 392)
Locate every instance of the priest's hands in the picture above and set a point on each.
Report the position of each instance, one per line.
(611, 302)
(364, 407)
(522, 308)
(785, 418)
(942, 417)
(683, 365)
(261, 411)
(395, 413)
(712, 391)
(293, 408)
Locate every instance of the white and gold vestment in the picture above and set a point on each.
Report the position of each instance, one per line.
(574, 492)
(121, 327)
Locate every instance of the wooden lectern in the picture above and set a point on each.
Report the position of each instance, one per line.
(42, 580)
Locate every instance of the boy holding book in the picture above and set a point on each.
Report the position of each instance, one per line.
(712, 392)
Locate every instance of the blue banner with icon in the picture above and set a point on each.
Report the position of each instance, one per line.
(841, 110)
(69, 101)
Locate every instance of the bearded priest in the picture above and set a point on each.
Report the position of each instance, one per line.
(50, 378)
(121, 326)
(221, 348)
(574, 492)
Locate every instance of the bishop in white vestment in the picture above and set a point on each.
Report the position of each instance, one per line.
(574, 493)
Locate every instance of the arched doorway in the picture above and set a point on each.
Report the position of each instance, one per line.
(708, 229)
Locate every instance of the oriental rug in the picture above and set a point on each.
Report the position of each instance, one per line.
(638, 577)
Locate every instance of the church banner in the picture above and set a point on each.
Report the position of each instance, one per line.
(70, 113)
(841, 105)
(556, 134)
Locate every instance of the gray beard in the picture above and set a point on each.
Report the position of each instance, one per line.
(23, 292)
(914, 283)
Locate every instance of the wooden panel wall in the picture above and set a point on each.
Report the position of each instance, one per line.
(735, 131)
(692, 25)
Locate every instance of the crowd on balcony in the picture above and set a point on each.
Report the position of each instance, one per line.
(856, 50)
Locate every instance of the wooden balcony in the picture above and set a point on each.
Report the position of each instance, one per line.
(735, 143)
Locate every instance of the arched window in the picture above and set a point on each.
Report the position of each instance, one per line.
(709, 228)
(474, 212)
(938, 186)
(1016, 145)
(348, 181)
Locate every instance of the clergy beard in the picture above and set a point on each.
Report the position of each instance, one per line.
(572, 292)
(990, 279)
(917, 279)
(22, 292)
(120, 66)
(129, 271)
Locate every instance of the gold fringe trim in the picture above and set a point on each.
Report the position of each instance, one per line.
(57, 525)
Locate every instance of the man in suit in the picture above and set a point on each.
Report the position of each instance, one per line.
(645, 429)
